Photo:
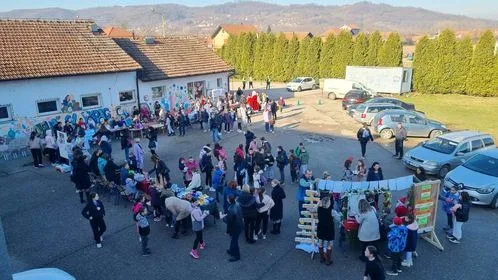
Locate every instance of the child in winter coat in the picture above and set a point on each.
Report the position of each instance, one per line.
(197, 216)
(155, 199)
(218, 181)
(396, 243)
(143, 229)
(411, 240)
(450, 198)
(262, 217)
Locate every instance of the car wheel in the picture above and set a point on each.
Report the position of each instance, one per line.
(435, 133)
(386, 133)
(494, 202)
(313, 87)
(443, 171)
(299, 89)
(332, 96)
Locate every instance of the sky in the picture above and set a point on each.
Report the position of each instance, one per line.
(473, 8)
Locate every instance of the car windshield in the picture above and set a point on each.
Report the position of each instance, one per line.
(441, 145)
(297, 80)
(361, 108)
(354, 94)
(483, 164)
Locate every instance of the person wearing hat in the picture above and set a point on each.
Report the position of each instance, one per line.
(325, 228)
(401, 210)
(105, 145)
(277, 211)
(396, 243)
(138, 152)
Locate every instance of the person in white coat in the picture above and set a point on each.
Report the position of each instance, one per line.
(50, 146)
(256, 177)
(263, 212)
(196, 180)
(138, 151)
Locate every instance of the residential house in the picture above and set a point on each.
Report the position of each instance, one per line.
(224, 31)
(299, 35)
(176, 70)
(54, 71)
(353, 29)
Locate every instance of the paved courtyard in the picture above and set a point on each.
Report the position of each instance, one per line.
(44, 228)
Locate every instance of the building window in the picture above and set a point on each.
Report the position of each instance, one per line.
(5, 112)
(47, 106)
(90, 101)
(158, 92)
(219, 82)
(405, 76)
(126, 96)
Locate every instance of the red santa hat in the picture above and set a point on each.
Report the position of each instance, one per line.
(398, 221)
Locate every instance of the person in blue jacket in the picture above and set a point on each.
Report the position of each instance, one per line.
(305, 183)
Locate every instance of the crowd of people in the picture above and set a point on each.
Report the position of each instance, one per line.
(249, 201)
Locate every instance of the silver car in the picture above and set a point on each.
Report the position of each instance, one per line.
(301, 83)
(443, 153)
(479, 177)
(415, 124)
(365, 112)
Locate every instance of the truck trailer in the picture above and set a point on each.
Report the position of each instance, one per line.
(394, 80)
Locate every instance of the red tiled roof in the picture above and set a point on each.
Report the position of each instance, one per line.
(40, 48)
(116, 32)
(298, 35)
(173, 57)
(236, 29)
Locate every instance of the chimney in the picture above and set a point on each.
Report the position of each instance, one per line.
(149, 40)
(94, 28)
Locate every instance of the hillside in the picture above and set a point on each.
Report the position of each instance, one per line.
(308, 17)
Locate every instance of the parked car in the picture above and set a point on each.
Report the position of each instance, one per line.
(337, 88)
(355, 97)
(43, 274)
(415, 124)
(479, 177)
(365, 112)
(407, 106)
(445, 152)
(301, 83)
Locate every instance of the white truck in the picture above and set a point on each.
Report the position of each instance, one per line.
(393, 80)
(337, 88)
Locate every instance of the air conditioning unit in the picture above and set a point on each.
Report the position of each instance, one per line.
(149, 40)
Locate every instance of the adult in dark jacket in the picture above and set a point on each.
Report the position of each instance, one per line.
(249, 135)
(206, 165)
(152, 136)
(364, 135)
(375, 174)
(182, 123)
(112, 172)
(80, 177)
(229, 190)
(282, 161)
(461, 215)
(325, 228)
(277, 211)
(249, 162)
(126, 143)
(105, 145)
(234, 221)
(161, 169)
(259, 159)
(249, 206)
(94, 211)
(94, 167)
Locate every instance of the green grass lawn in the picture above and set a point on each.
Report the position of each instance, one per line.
(459, 112)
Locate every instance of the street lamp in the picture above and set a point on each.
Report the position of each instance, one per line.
(163, 21)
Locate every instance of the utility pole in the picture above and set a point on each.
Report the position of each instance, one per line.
(163, 21)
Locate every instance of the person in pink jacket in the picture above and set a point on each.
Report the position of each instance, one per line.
(197, 216)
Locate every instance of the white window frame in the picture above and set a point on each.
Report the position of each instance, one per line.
(57, 103)
(133, 92)
(9, 113)
(162, 92)
(99, 96)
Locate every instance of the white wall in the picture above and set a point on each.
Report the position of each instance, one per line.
(23, 94)
(176, 88)
(380, 79)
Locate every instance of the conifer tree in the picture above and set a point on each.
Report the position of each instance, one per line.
(391, 53)
(291, 58)
(279, 52)
(480, 77)
(374, 45)
(247, 53)
(258, 67)
(268, 56)
(312, 68)
(342, 55)
(302, 57)
(444, 68)
(461, 65)
(360, 52)
(326, 56)
(422, 65)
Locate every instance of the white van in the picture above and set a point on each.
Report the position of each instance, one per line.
(337, 88)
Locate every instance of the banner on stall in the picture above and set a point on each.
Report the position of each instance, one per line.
(62, 144)
(397, 184)
(426, 200)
